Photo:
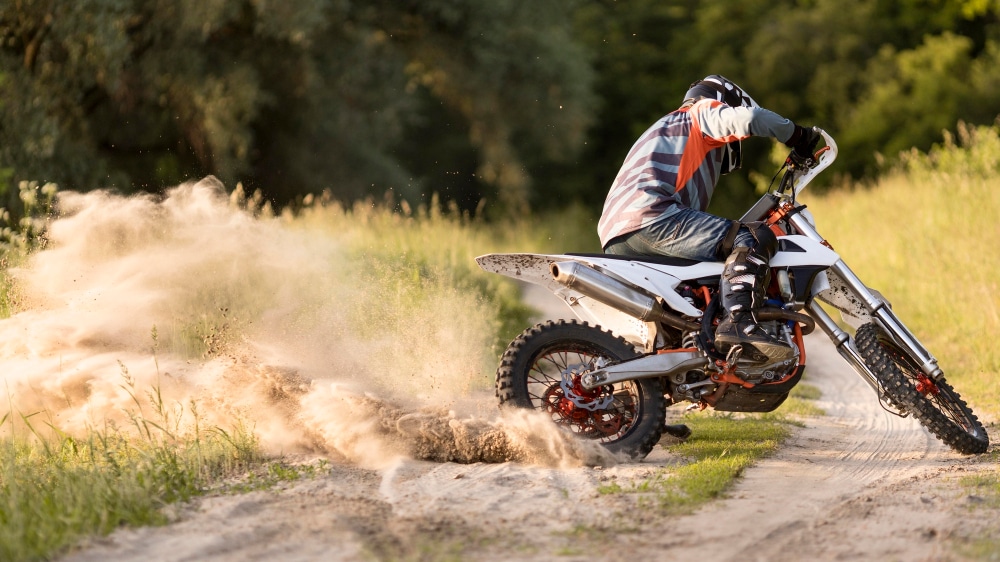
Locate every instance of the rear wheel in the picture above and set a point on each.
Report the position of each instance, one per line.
(935, 403)
(541, 370)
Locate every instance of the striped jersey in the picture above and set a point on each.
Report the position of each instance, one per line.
(676, 163)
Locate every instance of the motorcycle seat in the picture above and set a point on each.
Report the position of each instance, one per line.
(661, 260)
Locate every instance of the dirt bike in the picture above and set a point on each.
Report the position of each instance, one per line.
(646, 340)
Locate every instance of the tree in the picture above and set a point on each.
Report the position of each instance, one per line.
(478, 100)
(289, 97)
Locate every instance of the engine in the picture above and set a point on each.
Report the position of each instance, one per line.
(756, 388)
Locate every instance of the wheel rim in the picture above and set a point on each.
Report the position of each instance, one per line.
(941, 396)
(549, 393)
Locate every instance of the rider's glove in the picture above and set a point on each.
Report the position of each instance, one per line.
(803, 141)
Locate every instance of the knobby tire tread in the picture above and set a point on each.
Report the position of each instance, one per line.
(900, 388)
(516, 362)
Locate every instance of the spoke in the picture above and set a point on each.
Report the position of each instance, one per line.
(564, 359)
(544, 378)
(949, 407)
(942, 399)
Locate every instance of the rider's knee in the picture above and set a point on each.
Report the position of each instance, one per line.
(755, 236)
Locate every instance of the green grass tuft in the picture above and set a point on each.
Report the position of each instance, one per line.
(54, 492)
(800, 401)
(720, 448)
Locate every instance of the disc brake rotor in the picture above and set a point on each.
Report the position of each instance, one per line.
(581, 397)
(587, 410)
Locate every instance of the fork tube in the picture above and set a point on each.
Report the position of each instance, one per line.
(928, 363)
(889, 321)
(845, 346)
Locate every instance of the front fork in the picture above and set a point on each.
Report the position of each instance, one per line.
(845, 346)
(891, 323)
(880, 312)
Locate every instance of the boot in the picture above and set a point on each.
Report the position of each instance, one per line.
(743, 285)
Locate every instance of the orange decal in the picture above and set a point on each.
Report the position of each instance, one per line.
(698, 146)
(681, 350)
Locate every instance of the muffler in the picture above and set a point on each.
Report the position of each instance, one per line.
(616, 294)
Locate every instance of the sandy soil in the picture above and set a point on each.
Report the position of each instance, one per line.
(856, 484)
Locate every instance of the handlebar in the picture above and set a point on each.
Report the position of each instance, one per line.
(824, 157)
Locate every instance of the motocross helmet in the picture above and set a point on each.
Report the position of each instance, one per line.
(720, 88)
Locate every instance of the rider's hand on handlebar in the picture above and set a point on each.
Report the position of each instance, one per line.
(803, 142)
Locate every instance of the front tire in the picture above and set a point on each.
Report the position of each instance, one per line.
(541, 369)
(934, 403)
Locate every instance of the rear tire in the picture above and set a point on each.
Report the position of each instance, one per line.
(531, 372)
(934, 403)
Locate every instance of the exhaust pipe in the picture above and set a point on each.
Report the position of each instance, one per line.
(616, 294)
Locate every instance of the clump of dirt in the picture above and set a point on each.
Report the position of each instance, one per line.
(375, 432)
(436, 435)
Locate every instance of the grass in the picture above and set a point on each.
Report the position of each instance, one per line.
(985, 486)
(274, 474)
(720, 448)
(801, 401)
(430, 249)
(57, 488)
(55, 491)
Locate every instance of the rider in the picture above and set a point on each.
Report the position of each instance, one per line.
(656, 206)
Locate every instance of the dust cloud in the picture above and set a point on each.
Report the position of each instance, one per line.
(187, 308)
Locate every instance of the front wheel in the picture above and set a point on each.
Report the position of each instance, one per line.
(541, 370)
(934, 403)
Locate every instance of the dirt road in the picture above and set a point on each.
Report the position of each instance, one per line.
(856, 484)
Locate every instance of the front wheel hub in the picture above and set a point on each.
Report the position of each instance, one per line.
(926, 386)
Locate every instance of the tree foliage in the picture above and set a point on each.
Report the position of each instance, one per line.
(291, 97)
(510, 101)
